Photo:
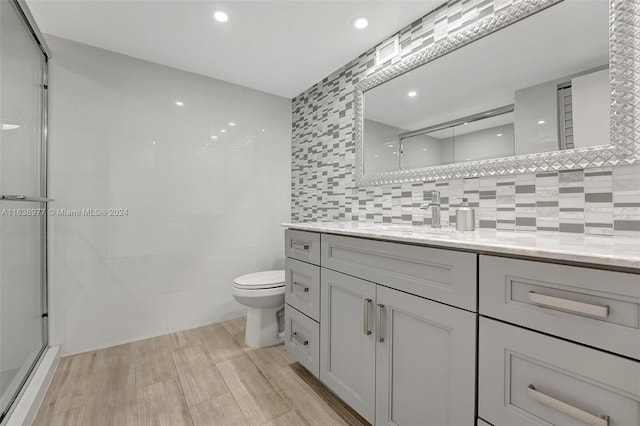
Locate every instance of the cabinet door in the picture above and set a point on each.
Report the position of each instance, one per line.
(530, 379)
(425, 365)
(347, 348)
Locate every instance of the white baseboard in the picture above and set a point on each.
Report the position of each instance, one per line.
(31, 397)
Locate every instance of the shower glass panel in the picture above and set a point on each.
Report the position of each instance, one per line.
(23, 334)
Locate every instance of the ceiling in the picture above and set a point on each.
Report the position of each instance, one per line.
(280, 47)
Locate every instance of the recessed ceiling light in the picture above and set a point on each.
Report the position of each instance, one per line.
(412, 94)
(179, 103)
(220, 16)
(360, 23)
(214, 137)
(154, 142)
(499, 134)
(390, 145)
(232, 124)
(263, 130)
(541, 122)
(223, 131)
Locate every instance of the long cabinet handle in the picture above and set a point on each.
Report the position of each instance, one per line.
(301, 287)
(299, 339)
(379, 337)
(365, 319)
(569, 305)
(299, 246)
(567, 408)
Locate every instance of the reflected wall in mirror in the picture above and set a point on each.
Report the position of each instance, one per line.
(532, 85)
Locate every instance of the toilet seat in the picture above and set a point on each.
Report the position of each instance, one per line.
(260, 280)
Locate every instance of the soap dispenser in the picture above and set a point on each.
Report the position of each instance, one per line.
(465, 217)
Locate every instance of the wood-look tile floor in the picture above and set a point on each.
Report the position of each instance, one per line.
(203, 376)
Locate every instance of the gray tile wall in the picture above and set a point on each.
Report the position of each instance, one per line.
(604, 201)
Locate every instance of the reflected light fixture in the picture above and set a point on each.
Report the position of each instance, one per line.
(360, 23)
(220, 16)
(214, 137)
(541, 122)
(223, 131)
(10, 126)
(499, 134)
(232, 124)
(412, 94)
(464, 124)
(179, 103)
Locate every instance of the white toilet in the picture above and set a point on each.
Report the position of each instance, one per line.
(263, 294)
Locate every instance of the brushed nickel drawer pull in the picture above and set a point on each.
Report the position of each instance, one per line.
(567, 409)
(299, 246)
(301, 286)
(365, 320)
(379, 337)
(300, 339)
(569, 305)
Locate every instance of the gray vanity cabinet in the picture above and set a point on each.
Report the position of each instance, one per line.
(397, 359)
(347, 345)
(425, 363)
(528, 378)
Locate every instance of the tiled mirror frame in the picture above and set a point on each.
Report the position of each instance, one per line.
(624, 67)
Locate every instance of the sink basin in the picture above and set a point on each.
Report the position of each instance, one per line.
(422, 229)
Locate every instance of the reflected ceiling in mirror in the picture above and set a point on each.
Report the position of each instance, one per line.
(543, 64)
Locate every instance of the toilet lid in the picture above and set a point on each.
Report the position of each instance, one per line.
(260, 280)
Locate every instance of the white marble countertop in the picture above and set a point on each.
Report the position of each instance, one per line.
(619, 252)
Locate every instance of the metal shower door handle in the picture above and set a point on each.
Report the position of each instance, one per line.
(29, 198)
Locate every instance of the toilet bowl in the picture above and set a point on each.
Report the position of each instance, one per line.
(263, 294)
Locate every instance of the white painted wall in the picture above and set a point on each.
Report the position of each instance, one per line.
(201, 210)
(484, 144)
(536, 119)
(591, 112)
(426, 150)
(381, 145)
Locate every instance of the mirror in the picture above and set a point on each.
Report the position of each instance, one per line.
(537, 87)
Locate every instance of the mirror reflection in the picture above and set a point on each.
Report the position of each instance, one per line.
(539, 85)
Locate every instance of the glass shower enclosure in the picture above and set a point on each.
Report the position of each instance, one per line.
(23, 199)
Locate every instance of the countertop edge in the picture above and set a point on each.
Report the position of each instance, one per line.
(629, 264)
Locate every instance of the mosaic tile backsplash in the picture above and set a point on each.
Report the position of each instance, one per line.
(603, 201)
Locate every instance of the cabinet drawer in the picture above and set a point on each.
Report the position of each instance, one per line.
(302, 338)
(527, 378)
(302, 245)
(591, 306)
(302, 287)
(443, 275)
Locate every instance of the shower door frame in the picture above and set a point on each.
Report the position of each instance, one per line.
(31, 27)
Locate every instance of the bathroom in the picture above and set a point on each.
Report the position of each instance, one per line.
(317, 213)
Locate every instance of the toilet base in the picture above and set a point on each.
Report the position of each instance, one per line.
(262, 327)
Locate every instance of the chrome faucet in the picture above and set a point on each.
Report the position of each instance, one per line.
(435, 209)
